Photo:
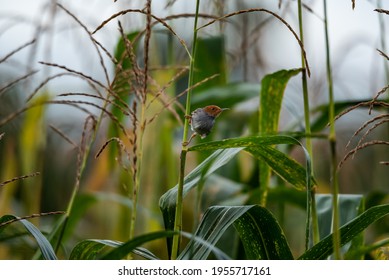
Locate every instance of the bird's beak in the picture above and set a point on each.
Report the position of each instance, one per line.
(224, 109)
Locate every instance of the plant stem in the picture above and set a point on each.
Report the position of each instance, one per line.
(178, 215)
(332, 140)
(311, 202)
(138, 175)
(80, 173)
(142, 122)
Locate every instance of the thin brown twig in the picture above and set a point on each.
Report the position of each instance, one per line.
(109, 114)
(376, 97)
(123, 110)
(63, 135)
(75, 72)
(19, 178)
(168, 84)
(118, 141)
(32, 216)
(91, 38)
(14, 82)
(17, 50)
(383, 54)
(361, 104)
(382, 11)
(271, 13)
(167, 26)
(360, 147)
(43, 83)
(362, 127)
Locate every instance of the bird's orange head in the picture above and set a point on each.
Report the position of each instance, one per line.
(214, 110)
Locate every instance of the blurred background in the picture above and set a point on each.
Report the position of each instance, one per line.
(242, 50)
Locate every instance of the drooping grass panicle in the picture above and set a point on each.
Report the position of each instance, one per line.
(17, 80)
(81, 74)
(122, 147)
(383, 11)
(93, 41)
(360, 147)
(19, 177)
(134, 139)
(63, 135)
(32, 216)
(17, 50)
(382, 91)
(58, 75)
(121, 105)
(362, 104)
(89, 126)
(274, 15)
(120, 144)
(385, 118)
(161, 92)
(383, 54)
(163, 22)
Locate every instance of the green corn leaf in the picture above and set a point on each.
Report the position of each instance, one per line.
(129, 246)
(271, 95)
(90, 249)
(43, 244)
(259, 146)
(259, 231)
(285, 167)
(324, 248)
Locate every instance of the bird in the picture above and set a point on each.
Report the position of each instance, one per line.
(202, 120)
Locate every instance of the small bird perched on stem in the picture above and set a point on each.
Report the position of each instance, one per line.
(202, 120)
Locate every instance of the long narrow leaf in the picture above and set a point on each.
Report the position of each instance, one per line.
(43, 243)
(259, 231)
(287, 168)
(91, 248)
(260, 147)
(324, 248)
(271, 96)
(128, 247)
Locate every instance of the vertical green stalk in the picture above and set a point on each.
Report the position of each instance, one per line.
(80, 173)
(142, 121)
(178, 216)
(311, 203)
(138, 175)
(332, 140)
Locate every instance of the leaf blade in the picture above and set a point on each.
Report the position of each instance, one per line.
(260, 233)
(347, 232)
